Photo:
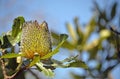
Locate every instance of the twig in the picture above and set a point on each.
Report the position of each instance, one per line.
(17, 73)
(3, 68)
(14, 75)
(112, 29)
(117, 41)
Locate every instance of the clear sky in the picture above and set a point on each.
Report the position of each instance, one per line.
(55, 12)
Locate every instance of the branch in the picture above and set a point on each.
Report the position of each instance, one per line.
(3, 68)
(17, 73)
(14, 75)
(117, 40)
(113, 30)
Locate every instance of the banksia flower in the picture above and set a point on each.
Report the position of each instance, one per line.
(35, 38)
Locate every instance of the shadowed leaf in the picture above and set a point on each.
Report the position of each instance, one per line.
(5, 42)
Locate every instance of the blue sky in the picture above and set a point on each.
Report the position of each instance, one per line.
(55, 12)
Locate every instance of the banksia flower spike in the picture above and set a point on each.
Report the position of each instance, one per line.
(35, 38)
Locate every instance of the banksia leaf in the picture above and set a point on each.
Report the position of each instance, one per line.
(35, 38)
(47, 72)
(11, 55)
(36, 59)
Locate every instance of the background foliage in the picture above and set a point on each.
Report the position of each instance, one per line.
(103, 49)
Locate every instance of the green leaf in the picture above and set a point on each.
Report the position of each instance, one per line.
(35, 60)
(97, 7)
(7, 40)
(78, 63)
(88, 30)
(113, 11)
(50, 54)
(66, 44)
(1, 40)
(12, 37)
(58, 63)
(78, 29)
(47, 72)
(72, 32)
(63, 37)
(70, 62)
(76, 76)
(70, 59)
(64, 63)
(91, 26)
(17, 25)
(11, 55)
(13, 40)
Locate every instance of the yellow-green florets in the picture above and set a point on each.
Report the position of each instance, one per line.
(35, 38)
